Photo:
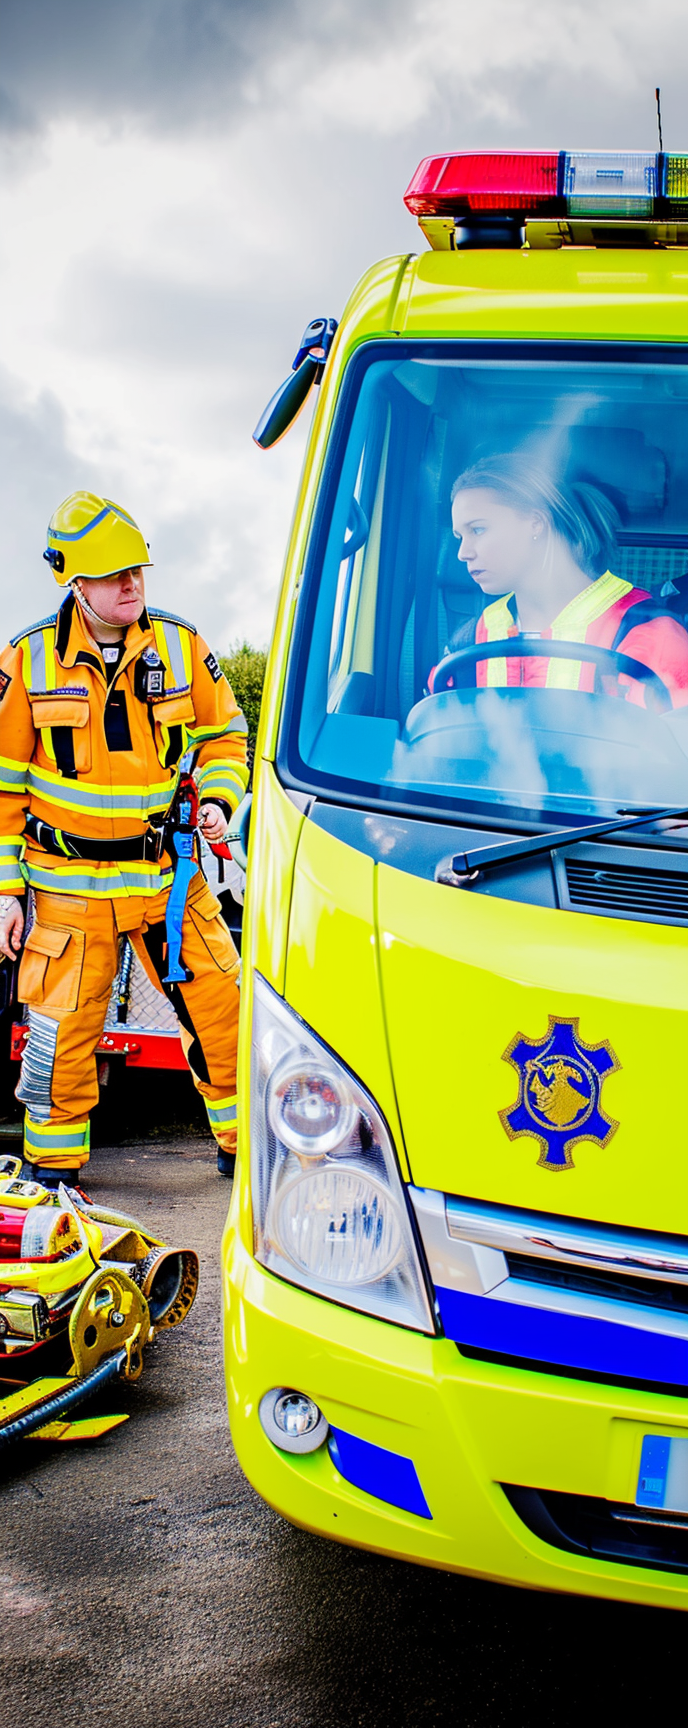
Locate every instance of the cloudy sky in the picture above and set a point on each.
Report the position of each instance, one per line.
(185, 183)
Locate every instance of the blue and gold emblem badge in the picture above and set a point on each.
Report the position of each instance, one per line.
(560, 1080)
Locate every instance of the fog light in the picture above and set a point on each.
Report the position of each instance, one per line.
(292, 1420)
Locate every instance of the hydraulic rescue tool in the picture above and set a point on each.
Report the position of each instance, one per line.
(82, 1291)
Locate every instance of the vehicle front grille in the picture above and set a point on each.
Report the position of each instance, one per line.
(641, 1292)
(558, 1295)
(654, 896)
(603, 1529)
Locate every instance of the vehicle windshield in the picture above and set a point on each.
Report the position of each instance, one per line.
(493, 618)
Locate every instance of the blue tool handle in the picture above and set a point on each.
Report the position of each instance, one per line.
(177, 972)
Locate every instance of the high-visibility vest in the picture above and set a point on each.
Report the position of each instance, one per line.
(595, 615)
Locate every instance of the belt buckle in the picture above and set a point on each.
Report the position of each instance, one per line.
(153, 846)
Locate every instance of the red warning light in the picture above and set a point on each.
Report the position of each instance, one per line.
(485, 180)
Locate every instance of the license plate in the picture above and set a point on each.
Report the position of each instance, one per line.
(663, 1476)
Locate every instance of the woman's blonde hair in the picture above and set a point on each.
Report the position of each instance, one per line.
(584, 516)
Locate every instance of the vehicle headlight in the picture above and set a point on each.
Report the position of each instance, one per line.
(330, 1208)
(310, 1108)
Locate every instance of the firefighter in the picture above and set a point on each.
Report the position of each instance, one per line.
(99, 704)
(545, 547)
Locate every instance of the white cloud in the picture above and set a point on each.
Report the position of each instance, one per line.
(455, 58)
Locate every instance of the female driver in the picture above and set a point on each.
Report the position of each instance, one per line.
(545, 548)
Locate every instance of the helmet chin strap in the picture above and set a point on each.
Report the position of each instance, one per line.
(90, 610)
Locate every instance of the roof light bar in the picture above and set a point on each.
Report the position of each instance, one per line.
(489, 180)
(675, 185)
(610, 184)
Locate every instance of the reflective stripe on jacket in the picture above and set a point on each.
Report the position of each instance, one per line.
(99, 761)
(603, 614)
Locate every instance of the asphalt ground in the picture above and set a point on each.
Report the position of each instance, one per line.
(142, 1581)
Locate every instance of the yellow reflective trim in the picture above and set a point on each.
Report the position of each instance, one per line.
(217, 781)
(184, 640)
(127, 803)
(68, 1134)
(110, 791)
(211, 734)
(50, 663)
(13, 764)
(498, 622)
(118, 813)
(572, 624)
(160, 642)
(39, 671)
(119, 885)
(219, 770)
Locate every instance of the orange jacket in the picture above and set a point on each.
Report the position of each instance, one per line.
(101, 762)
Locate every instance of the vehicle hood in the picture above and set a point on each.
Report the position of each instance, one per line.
(539, 1056)
(522, 1055)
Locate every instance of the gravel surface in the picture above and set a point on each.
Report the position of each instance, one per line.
(143, 1582)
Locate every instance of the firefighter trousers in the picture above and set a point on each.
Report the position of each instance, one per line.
(69, 963)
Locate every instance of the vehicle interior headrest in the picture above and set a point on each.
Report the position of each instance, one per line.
(620, 461)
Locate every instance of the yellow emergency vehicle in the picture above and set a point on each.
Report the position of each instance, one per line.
(456, 1262)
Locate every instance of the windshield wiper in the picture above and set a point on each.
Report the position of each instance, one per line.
(469, 865)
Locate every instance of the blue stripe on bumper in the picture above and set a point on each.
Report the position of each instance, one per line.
(385, 1474)
(567, 1340)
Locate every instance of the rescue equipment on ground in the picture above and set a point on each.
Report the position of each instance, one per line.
(307, 370)
(82, 1291)
(92, 537)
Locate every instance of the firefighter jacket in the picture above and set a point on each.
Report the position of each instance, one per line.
(610, 613)
(102, 761)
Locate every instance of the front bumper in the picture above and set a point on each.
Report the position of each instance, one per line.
(467, 1426)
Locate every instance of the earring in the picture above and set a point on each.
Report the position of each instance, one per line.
(536, 536)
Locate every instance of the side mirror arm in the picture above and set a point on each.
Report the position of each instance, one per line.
(307, 370)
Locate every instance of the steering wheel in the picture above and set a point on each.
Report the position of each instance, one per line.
(459, 665)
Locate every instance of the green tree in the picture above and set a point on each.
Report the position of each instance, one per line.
(244, 667)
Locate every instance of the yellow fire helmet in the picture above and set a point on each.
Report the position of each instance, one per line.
(91, 536)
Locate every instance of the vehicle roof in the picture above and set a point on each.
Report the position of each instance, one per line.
(577, 292)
